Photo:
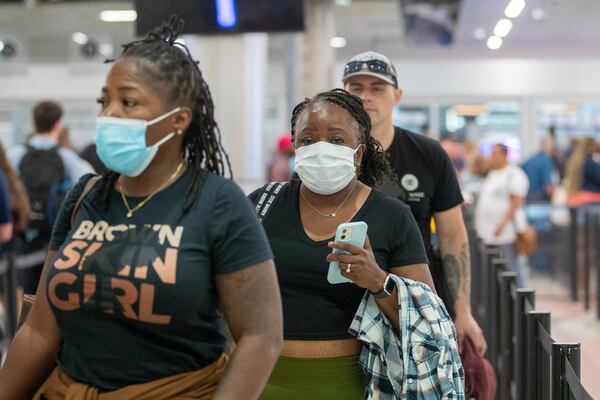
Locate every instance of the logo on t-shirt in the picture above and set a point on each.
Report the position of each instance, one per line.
(409, 182)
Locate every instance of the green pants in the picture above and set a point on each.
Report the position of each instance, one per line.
(316, 379)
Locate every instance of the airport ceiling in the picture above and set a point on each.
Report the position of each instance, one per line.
(43, 30)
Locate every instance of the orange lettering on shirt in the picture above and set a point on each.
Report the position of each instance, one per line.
(166, 269)
(90, 250)
(71, 252)
(147, 304)
(128, 298)
(72, 301)
(89, 287)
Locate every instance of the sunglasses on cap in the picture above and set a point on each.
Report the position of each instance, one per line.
(375, 66)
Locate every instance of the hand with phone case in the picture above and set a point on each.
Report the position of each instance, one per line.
(353, 233)
(352, 259)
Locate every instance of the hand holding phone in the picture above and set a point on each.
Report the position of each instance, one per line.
(353, 233)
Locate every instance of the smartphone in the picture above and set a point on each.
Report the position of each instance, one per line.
(353, 233)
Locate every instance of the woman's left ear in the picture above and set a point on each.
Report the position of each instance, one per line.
(360, 152)
(183, 118)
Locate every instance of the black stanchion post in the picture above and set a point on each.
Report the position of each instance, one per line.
(505, 345)
(587, 248)
(573, 253)
(495, 264)
(561, 353)
(544, 356)
(484, 309)
(523, 298)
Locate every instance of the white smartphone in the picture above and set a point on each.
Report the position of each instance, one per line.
(353, 233)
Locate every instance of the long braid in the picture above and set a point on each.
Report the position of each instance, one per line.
(374, 162)
(170, 67)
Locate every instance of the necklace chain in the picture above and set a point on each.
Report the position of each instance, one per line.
(130, 210)
(333, 214)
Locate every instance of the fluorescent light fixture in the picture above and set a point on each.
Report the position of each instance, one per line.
(514, 8)
(226, 13)
(494, 43)
(118, 15)
(79, 38)
(503, 27)
(537, 14)
(343, 2)
(337, 42)
(1, 45)
(479, 33)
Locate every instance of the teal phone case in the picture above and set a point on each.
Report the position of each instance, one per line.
(353, 233)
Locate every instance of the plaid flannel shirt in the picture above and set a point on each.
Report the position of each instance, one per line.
(421, 362)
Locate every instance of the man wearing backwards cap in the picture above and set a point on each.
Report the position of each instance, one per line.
(426, 182)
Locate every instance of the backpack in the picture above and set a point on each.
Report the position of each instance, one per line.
(43, 174)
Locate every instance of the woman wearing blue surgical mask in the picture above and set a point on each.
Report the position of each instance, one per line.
(337, 162)
(149, 261)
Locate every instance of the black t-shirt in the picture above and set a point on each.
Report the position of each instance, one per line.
(426, 179)
(135, 298)
(312, 307)
(427, 183)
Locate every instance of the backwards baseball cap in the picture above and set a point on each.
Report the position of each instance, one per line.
(372, 64)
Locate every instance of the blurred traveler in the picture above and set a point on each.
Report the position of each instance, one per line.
(498, 213)
(281, 165)
(64, 138)
(474, 172)
(147, 260)
(90, 155)
(426, 181)
(6, 224)
(338, 164)
(48, 171)
(19, 200)
(540, 169)
(582, 176)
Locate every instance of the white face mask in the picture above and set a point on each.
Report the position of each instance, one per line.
(325, 168)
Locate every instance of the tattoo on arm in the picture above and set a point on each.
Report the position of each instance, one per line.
(456, 268)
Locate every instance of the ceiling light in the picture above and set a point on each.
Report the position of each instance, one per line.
(118, 15)
(1, 45)
(480, 33)
(337, 42)
(503, 27)
(494, 43)
(343, 2)
(537, 14)
(79, 38)
(514, 8)
(106, 49)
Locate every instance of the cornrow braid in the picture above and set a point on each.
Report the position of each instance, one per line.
(169, 66)
(374, 165)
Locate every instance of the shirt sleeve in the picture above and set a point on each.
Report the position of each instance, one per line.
(238, 239)
(518, 184)
(407, 245)
(62, 225)
(5, 215)
(447, 192)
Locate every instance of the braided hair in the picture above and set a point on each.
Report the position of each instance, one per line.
(168, 65)
(374, 164)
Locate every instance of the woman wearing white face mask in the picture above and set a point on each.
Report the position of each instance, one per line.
(338, 163)
(142, 264)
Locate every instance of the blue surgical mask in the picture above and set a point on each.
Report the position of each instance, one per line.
(121, 143)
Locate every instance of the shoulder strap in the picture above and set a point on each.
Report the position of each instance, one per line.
(86, 189)
(267, 198)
